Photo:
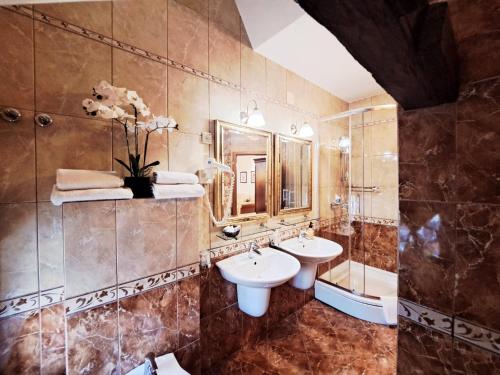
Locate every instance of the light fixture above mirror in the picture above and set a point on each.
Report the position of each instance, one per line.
(252, 117)
(304, 131)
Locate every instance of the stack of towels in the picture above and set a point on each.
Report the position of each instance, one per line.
(171, 185)
(75, 185)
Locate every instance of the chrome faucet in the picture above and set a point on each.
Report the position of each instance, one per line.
(150, 365)
(253, 247)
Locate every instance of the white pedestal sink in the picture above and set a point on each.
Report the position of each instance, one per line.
(255, 275)
(310, 253)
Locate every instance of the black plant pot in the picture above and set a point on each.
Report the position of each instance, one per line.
(140, 186)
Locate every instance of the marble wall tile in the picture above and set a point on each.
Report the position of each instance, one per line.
(221, 346)
(225, 14)
(427, 168)
(148, 323)
(224, 53)
(89, 246)
(191, 226)
(477, 36)
(427, 254)
(67, 67)
(275, 81)
(471, 360)
(92, 341)
(189, 357)
(381, 246)
(188, 101)
(150, 35)
(221, 292)
(182, 161)
(50, 245)
(253, 329)
(189, 310)
(94, 16)
(253, 69)
(284, 301)
(427, 135)
(73, 143)
(18, 250)
(16, 61)
(145, 237)
(477, 143)
(384, 114)
(224, 103)
(295, 85)
(18, 156)
(199, 6)
(384, 138)
(477, 292)
(422, 351)
(53, 340)
(205, 306)
(147, 77)
(20, 338)
(188, 33)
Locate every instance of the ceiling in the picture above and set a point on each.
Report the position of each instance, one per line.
(281, 31)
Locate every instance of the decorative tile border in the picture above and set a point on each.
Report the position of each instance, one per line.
(426, 317)
(51, 296)
(19, 305)
(128, 289)
(460, 329)
(375, 220)
(39, 16)
(90, 300)
(477, 335)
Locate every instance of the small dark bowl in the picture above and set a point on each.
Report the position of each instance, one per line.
(231, 233)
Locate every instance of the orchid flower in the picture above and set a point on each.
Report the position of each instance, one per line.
(112, 103)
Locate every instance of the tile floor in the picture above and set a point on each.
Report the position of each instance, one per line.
(318, 339)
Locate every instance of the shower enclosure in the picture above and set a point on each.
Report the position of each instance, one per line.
(363, 215)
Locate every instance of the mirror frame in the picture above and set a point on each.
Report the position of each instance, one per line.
(277, 175)
(219, 147)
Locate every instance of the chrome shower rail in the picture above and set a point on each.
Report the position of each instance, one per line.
(366, 189)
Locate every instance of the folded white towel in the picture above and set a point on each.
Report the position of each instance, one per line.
(77, 179)
(390, 309)
(178, 191)
(170, 178)
(59, 197)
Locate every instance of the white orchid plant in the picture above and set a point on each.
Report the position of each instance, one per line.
(110, 102)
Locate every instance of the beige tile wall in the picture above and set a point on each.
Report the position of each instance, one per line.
(49, 69)
(375, 157)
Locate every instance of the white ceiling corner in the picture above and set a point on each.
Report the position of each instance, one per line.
(281, 31)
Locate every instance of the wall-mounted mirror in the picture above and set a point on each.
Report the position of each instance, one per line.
(249, 154)
(293, 174)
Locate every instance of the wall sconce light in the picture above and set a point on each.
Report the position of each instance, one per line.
(253, 117)
(305, 130)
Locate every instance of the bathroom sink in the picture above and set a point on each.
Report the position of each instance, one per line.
(317, 250)
(255, 275)
(310, 253)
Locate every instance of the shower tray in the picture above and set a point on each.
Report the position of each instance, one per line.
(341, 288)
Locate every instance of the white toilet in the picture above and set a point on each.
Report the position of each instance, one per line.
(167, 365)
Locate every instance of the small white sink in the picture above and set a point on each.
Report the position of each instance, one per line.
(255, 275)
(310, 253)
